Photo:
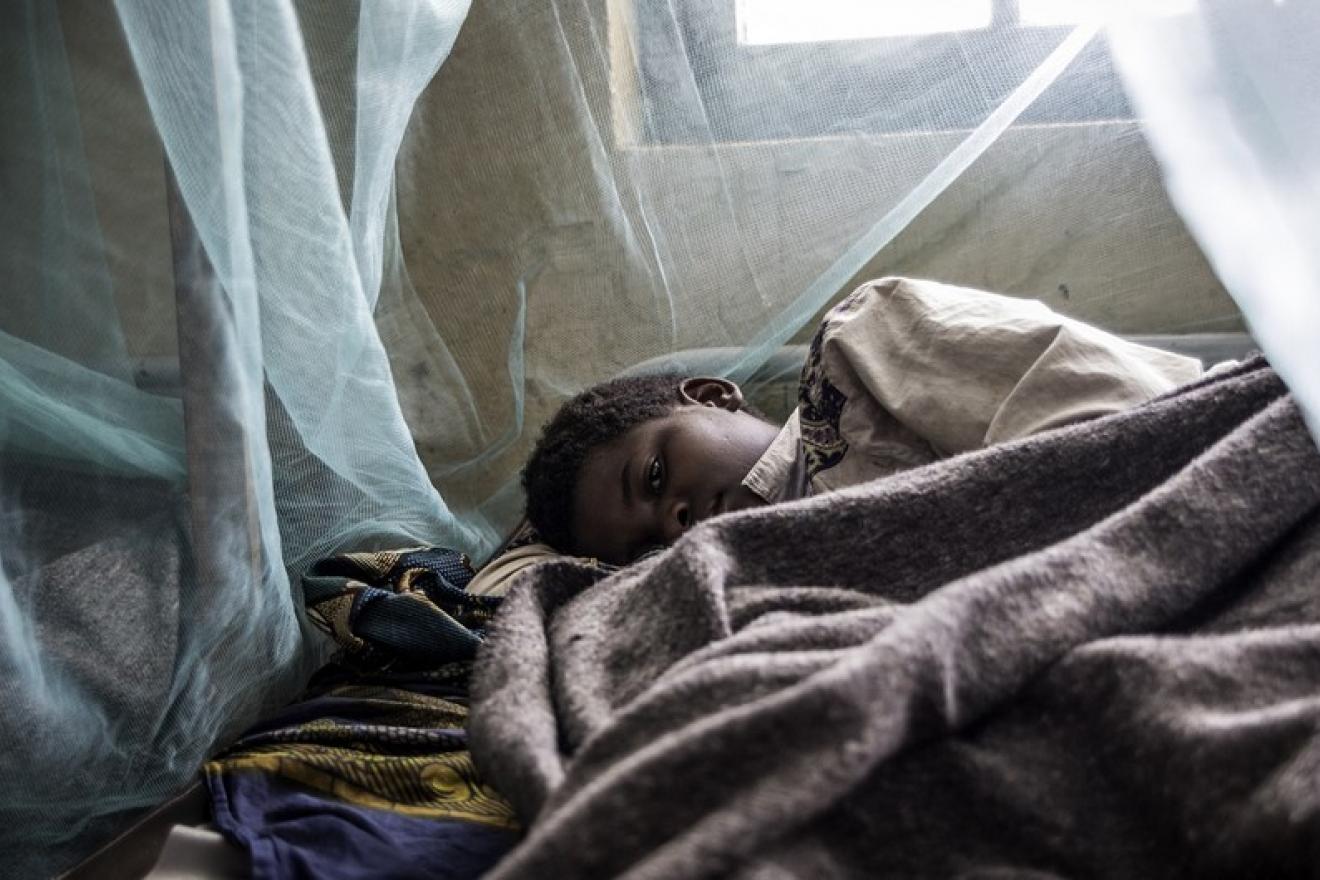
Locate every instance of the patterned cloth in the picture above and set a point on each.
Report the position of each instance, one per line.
(369, 774)
(398, 609)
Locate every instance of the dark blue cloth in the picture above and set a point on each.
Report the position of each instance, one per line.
(290, 832)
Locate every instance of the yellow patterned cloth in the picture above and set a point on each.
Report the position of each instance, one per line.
(369, 774)
(387, 748)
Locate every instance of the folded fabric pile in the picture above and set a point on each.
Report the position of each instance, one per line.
(369, 774)
(398, 608)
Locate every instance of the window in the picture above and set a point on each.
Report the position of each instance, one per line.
(746, 70)
(764, 22)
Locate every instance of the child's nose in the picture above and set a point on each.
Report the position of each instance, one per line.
(678, 519)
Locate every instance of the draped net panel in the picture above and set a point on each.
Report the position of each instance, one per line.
(1231, 95)
(284, 279)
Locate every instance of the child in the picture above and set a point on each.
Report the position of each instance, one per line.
(900, 374)
(628, 466)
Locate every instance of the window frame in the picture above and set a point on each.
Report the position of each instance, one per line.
(739, 87)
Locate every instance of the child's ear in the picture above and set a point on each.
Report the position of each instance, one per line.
(709, 391)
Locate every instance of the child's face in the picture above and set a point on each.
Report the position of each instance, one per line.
(663, 477)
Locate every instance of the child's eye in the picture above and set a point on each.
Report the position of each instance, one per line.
(655, 476)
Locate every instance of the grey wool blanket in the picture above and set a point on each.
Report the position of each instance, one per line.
(1092, 653)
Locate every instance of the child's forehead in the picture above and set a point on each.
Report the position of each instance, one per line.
(682, 415)
(642, 431)
(640, 435)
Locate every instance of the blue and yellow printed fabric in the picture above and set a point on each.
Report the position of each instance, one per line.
(398, 608)
(369, 774)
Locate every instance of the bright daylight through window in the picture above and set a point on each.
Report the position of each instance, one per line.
(763, 22)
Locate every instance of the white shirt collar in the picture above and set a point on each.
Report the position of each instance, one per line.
(780, 474)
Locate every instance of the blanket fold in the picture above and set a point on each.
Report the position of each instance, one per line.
(1095, 651)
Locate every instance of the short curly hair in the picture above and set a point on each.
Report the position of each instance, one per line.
(594, 418)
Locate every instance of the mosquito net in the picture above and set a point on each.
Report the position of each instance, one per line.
(283, 279)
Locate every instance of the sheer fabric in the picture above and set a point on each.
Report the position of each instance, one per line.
(196, 401)
(1231, 98)
(278, 284)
